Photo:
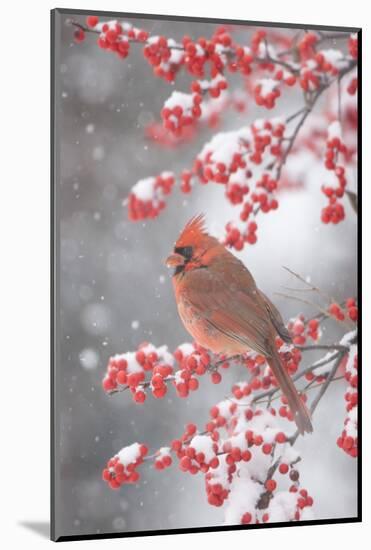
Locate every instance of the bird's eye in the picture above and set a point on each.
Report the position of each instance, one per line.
(186, 251)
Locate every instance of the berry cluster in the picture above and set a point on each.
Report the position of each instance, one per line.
(211, 116)
(266, 92)
(186, 181)
(348, 441)
(306, 46)
(319, 67)
(151, 368)
(165, 56)
(122, 468)
(353, 46)
(248, 437)
(163, 458)
(350, 311)
(203, 52)
(213, 87)
(199, 455)
(237, 235)
(130, 370)
(147, 196)
(181, 110)
(193, 361)
(114, 36)
(232, 159)
(334, 212)
(352, 86)
(301, 329)
(236, 440)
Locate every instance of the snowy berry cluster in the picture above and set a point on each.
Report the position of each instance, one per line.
(163, 458)
(249, 442)
(151, 368)
(193, 361)
(266, 92)
(122, 468)
(348, 441)
(165, 56)
(113, 35)
(181, 110)
(301, 329)
(334, 212)
(200, 454)
(319, 67)
(130, 370)
(171, 133)
(234, 159)
(247, 462)
(147, 196)
(306, 46)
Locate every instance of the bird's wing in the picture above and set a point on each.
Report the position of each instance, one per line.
(276, 319)
(228, 299)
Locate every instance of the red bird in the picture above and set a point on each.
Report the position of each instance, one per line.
(224, 311)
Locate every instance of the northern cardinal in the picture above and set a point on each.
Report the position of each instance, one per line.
(224, 311)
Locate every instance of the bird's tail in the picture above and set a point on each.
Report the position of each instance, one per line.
(298, 408)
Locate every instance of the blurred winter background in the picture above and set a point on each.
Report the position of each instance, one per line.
(116, 292)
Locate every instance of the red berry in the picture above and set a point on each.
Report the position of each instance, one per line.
(283, 468)
(185, 463)
(270, 485)
(280, 437)
(92, 20)
(216, 378)
(79, 35)
(121, 377)
(267, 448)
(246, 518)
(139, 397)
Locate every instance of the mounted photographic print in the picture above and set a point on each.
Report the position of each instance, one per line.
(205, 208)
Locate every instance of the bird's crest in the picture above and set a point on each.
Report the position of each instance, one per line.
(193, 232)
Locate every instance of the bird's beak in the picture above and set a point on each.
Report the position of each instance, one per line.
(174, 260)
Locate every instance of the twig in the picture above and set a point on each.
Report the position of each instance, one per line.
(309, 386)
(309, 285)
(171, 378)
(321, 392)
(302, 300)
(329, 347)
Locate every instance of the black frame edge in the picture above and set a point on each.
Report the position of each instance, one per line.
(359, 269)
(133, 15)
(213, 529)
(52, 274)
